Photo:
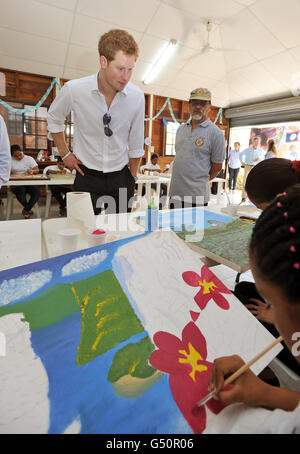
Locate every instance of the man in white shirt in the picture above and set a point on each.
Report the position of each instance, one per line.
(22, 164)
(5, 157)
(108, 124)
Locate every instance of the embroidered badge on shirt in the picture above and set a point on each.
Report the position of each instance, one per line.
(199, 142)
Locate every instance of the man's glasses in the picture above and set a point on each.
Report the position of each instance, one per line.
(106, 120)
(195, 102)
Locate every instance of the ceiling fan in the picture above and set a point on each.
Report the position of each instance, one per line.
(207, 48)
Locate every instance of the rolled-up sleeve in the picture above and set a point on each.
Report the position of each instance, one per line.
(59, 109)
(5, 156)
(136, 133)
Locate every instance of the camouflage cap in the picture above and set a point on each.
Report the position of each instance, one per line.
(201, 93)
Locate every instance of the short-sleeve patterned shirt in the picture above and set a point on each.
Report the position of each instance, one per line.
(195, 152)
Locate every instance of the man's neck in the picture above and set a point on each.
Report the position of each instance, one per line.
(196, 123)
(106, 89)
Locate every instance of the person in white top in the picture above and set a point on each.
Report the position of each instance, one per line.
(154, 168)
(109, 116)
(59, 191)
(234, 165)
(275, 264)
(5, 156)
(22, 164)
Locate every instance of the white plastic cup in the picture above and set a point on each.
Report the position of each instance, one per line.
(69, 240)
(96, 237)
(232, 209)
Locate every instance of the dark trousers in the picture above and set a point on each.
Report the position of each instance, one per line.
(246, 290)
(233, 174)
(114, 188)
(59, 193)
(21, 191)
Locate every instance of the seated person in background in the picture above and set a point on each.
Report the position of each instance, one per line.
(265, 182)
(59, 191)
(276, 273)
(22, 164)
(154, 167)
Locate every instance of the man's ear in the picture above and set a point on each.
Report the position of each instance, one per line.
(103, 62)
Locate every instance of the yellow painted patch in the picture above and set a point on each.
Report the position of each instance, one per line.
(192, 358)
(208, 286)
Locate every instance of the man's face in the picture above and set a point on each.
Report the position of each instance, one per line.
(118, 72)
(18, 155)
(154, 161)
(255, 143)
(199, 109)
(60, 165)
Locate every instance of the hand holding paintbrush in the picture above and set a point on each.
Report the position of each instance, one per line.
(236, 368)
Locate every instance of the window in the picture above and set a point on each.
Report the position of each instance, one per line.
(171, 128)
(35, 129)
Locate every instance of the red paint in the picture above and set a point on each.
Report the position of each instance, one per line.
(98, 232)
(210, 288)
(194, 315)
(188, 384)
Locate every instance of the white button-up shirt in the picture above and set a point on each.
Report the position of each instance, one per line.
(91, 145)
(5, 157)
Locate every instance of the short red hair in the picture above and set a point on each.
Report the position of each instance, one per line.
(113, 41)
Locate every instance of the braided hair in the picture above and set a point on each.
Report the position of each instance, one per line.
(270, 177)
(275, 243)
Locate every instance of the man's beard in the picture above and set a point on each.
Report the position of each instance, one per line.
(197, 117)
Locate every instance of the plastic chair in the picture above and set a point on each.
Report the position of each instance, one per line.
(288, 379)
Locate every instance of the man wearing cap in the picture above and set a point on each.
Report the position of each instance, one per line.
(200, 152)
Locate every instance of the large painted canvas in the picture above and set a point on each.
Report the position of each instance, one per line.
(221, 238)
(117, 339)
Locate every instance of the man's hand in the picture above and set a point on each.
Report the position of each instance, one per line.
(247, 388)
(262, 311)
(30, 172)
(71, 162)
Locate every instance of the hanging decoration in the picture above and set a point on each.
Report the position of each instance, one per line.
(54, 82)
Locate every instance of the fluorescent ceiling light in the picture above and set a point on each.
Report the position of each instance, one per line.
(161, 60)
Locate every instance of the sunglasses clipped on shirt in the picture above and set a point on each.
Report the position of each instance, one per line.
(106, 120)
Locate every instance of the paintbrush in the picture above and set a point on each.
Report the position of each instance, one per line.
(240, 371)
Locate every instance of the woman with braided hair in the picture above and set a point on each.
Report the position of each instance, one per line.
(275, 264)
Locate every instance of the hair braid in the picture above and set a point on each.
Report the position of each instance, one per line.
(275, 243)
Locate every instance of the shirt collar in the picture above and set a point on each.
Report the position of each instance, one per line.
(204, 124)
(95, 86)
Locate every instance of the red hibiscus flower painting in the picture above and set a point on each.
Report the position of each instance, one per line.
(210, 288)
(189, 371)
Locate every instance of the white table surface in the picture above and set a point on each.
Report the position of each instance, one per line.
(117, 226)
(52, 181)
(20, 242)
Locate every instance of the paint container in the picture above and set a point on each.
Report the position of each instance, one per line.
(232, 209)
(69, 240)
(96, 237)
(152, 214)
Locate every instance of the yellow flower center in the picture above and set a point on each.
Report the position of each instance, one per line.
(192, 358)
(208, 286)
